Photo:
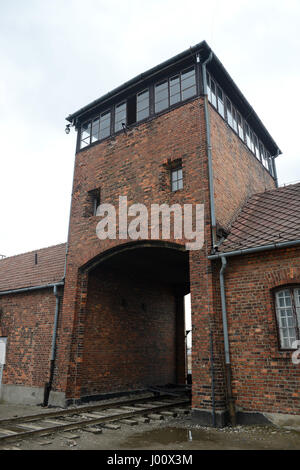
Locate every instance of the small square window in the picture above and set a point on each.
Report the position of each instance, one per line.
(176, 179)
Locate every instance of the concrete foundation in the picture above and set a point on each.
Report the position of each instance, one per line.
(18, 394)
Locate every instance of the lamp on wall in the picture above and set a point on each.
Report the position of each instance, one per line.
(67, 129)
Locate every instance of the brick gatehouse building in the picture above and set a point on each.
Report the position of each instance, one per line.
(95, 317)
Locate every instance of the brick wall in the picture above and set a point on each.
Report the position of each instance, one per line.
(264, 378)
(27, 322)
(130, 333)
(237, 172)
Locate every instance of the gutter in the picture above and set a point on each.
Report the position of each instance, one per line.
(257, 249)
(223, 257)
(29, 289)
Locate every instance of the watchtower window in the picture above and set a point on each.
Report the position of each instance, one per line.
(142, 105)
(104, 130)
(85, 134)
(188, 83)
(120, 116)
(161, 96)
(174, 90)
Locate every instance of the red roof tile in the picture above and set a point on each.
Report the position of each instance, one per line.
(21, 271)
(269, 217)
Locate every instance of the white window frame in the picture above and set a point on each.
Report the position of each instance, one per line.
(287, 305)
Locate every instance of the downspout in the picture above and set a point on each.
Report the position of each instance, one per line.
(274, 167)
(209, 154)
(230, 400)
(48, 385)
(212, 218)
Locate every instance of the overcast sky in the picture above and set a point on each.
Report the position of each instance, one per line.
(58, 55)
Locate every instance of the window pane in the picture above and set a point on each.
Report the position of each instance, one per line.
(251, 142)
(105, 119)
(188, 84)
(208, 86)
(256, 150)
(229, 112)
(247, 133)
(285, 318)
(85, 134)
(142, 105)
(177, 179)
(234, 121)
(220, 102)
(95, 130)
(213, 93)
(240, 126)
(120, 116)
(161, 96)
(174, 90)
(261, 152)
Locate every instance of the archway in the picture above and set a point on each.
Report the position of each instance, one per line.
(134, 329)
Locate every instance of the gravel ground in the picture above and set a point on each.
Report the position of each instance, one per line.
(169, 434)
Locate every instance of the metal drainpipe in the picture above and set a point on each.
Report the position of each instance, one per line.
(274, 167)
(212, 217)
(230, 399)
(209, 154)
(48, 385)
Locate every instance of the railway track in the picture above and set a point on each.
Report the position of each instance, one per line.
(92, 417)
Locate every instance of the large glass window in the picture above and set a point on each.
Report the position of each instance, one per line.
(142, 105)
(104, 130)
(229, 112)
(120, 116)
(247, 134)
(188, 83)
(85, 134)
(240, 126)
(161, 96)
(288, 316)
(220, 101)
(174, 90)
(95, 130)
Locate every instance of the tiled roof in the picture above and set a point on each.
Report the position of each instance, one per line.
(21, 271)
(269, 217)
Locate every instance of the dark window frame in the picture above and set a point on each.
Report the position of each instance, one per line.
(173, 170)
(241, 123)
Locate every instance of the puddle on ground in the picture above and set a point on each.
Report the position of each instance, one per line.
(168, 435)
(182, 438)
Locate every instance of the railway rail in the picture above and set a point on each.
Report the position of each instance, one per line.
(90, 416)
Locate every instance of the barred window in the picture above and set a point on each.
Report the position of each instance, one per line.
(287, 303)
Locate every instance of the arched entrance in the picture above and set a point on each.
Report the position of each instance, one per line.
(134, 328)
